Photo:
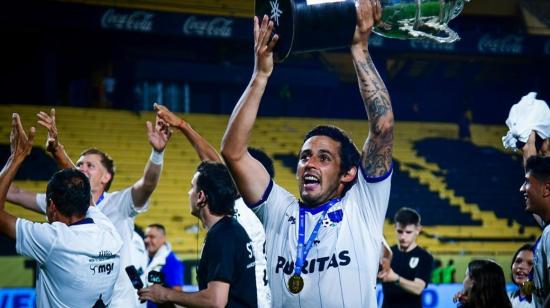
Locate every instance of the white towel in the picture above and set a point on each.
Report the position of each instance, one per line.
(156, 263)
(529, 114)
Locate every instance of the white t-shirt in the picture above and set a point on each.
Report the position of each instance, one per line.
(541, 266)
(256, 233)
(77, 264)
(340, 269)
(119, 207)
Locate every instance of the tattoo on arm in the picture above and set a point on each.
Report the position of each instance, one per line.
(377, 152)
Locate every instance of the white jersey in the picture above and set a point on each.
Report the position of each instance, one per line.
(341, 267)
(139, 257)
(78, 264)
(256, 233)
(519, 302)
(119, 207)
(541, 266)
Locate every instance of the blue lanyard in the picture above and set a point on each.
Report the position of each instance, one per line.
(301, 250)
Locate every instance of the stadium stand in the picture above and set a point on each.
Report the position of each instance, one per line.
(425, 167)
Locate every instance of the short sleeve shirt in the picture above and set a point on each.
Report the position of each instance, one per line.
(78, 264)
(542, 264)
(255, 231)
(417, 263)
(341, 267)
(228, 257)
(119, 207)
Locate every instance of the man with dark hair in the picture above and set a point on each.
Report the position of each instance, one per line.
(162, 259)
(243, 214)
(411, 265)
(536, 190)
(226, 273)
(121, 207)
(334, 265)
(78, 250)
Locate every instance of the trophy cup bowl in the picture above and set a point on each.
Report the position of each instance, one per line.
(313, 25)
(425, 19)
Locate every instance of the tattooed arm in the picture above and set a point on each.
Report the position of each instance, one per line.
(377, 151)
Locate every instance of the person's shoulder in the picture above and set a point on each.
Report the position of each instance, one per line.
(423, 252)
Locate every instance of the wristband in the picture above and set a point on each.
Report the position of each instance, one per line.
(156, 157)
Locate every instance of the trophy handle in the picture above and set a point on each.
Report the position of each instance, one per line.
(449, 35)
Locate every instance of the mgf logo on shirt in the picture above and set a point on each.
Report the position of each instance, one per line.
(102, 268)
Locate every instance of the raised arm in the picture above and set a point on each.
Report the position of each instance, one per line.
(23, 198)
(249, 174)
(202, 147)
(52, 143)
(21, 147)
(377, 152)
(158, 138)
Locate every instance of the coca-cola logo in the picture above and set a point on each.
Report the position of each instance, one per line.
(510, 44)
(139, 21)
(214, 27)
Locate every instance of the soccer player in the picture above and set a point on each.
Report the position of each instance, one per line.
(226, 273)
(322, 250)
(536, 190)
(77, 250)
(121, 207)
(411, 265)
(243, 214)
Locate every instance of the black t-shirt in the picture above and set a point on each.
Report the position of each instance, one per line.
(227, 257)
(416, 263)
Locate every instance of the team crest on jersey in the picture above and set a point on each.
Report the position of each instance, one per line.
(413, 262)
(333, 218)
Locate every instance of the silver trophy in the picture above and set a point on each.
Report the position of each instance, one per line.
(312, 25)
(427, 19)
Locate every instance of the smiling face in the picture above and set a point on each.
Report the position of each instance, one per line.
(318, 171)
(522, 266)
(533, 192)
(90, 165)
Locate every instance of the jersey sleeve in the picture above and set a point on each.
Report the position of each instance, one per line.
(370, 196)
(41, 202)
(124, 200)
(173, 271)
(35, 240)
(425, 267)
(271, 209)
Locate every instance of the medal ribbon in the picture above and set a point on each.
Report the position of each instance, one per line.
(301, 250)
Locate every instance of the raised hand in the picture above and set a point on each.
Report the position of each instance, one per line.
(369, 13)
(21, 144)
(263, 47)
(48, 121)
(159, 134)
(168, 116)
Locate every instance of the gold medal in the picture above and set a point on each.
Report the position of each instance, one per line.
(295, 284)
(527, 287)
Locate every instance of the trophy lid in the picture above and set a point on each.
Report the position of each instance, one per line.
(281, 12)
(309, 25)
